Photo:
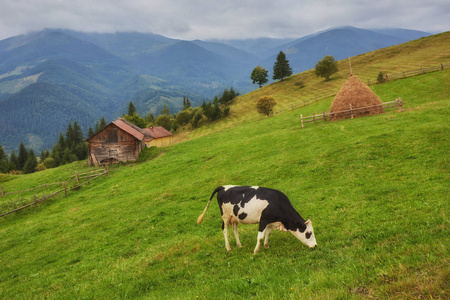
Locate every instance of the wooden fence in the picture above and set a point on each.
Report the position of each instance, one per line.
(77, 179)
(412, 73)
(351, 111)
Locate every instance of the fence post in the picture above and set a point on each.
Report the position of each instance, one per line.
(323, 115)
(400, 103)
(351, 110)
(106, 170)
(442, 66)
(301, 118)
(76, 176)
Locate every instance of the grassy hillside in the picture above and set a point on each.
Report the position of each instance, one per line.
(376, 189)
(424, 52)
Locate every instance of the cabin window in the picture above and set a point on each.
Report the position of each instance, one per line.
(112, 135)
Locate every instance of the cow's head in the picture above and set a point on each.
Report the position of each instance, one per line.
(305, 233)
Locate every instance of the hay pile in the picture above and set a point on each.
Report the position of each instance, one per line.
(358, 95)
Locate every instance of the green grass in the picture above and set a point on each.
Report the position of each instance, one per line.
(376, 189)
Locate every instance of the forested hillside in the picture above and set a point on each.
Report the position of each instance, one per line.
(96, 75)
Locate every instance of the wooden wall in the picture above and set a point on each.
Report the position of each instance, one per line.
(160, 142)
(113, 143)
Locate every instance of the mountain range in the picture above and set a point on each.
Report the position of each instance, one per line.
(52, 77)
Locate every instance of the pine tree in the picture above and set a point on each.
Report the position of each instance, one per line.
(131, 109)
(4, 163)
(23, 155)
(281, 67)
(102, 124)
(13, 161)
(31, 163)
(70, 136)
(90, 133)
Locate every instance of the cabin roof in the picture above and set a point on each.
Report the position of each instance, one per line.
(157, 132)
(130, 128)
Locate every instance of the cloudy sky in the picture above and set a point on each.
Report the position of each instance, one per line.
(203, 19)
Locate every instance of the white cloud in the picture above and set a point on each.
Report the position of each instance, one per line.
(198, 19)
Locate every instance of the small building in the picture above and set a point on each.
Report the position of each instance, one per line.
(123, 141)
(160, 137)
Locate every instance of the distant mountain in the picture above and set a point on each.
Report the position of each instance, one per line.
(341, 43)
(52, 77)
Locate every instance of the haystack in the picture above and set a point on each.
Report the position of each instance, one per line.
(355, 99)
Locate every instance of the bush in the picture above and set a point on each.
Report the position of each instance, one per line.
(183, 117)
(164, 121)
(50, 162)
(380, 77)
(265, 105)
(40, 167)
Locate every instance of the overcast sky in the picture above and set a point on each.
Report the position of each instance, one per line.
(223, 19)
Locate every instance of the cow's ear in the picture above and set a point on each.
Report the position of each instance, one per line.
(307, 222)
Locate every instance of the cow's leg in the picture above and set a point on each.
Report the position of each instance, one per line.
(236, 233)
(226, 221)
(266, 240)
(261, 234)
(259, 240)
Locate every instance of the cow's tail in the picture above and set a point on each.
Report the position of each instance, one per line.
(200, 218)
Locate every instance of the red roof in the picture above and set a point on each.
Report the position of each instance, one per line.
(157, 132)
(130, 128)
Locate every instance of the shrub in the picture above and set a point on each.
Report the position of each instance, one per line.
(265, 105)
(380, 77)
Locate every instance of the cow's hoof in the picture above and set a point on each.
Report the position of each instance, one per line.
(266, 246)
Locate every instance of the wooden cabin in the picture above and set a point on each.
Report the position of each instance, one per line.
(123, 141)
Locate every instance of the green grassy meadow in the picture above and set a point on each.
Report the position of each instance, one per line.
(376, 189)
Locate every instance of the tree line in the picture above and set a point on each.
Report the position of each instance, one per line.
(208, 111)
(281, 69)
(70, 147)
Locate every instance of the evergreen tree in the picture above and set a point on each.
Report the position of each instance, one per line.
(44, 155)
(13, 161)
(23, 155)
(131, 109)
(70, 137)
(102, 124)
(186, 103)
(90, 133)
(281, 67)
(4, 163)
(31, 163)
(77, 133)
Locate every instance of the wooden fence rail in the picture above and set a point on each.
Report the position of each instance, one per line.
(64, 189)
(412, 72)
(352, 111)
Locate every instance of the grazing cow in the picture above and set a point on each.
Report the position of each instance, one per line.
(268, 207)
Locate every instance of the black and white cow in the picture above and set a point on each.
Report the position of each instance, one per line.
(268, 207)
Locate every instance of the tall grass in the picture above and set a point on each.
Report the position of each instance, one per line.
(376, 189)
